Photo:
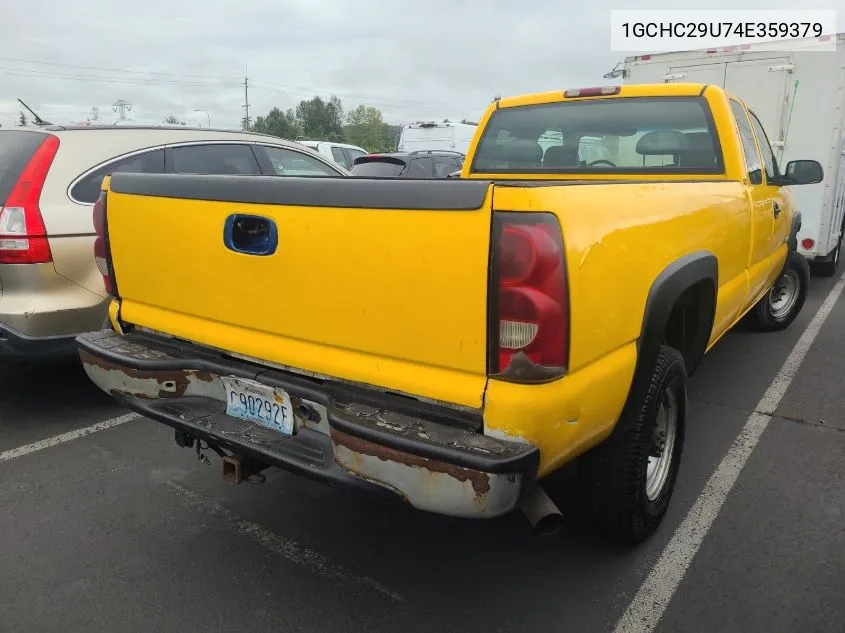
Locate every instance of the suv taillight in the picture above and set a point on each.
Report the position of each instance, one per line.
(530, 297)
(23, 236)
(102, 254)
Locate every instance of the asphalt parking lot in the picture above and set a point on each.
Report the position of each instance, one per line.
(120, 530)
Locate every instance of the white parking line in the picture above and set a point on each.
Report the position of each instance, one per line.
(66, 437)
(652, 598)
(287, 548)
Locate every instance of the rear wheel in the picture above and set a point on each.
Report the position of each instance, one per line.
(628, 480)
(779, 307)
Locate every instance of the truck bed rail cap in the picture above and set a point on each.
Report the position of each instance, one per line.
(369, 193)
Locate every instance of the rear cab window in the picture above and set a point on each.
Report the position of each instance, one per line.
(626, 135)
(16, 148)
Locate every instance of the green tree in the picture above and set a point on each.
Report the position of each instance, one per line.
(392, 133)
(278, 123)
(320, 119)
(496, 98)
(468, 122)
(22, 119)
(366, 128)
(172, 120)
(334, 115)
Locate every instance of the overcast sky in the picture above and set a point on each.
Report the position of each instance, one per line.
(413, 60)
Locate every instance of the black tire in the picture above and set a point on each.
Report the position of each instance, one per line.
(828, 268)
(614, 475)
(769, 315)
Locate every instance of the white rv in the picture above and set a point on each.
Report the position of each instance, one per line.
(797, 91)
(455, 137)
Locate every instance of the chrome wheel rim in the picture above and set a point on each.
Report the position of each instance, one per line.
(784, 294)
(662, 446)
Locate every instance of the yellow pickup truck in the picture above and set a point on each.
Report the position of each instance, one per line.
(453, 342)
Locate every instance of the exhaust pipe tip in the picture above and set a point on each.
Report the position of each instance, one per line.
(549, 525)
(543, 514)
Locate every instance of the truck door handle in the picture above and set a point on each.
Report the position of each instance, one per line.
(776, 209)
(250, 234)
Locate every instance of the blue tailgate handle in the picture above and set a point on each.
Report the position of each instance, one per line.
(250, 234)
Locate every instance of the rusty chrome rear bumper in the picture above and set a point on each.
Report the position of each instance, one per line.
(433, 459)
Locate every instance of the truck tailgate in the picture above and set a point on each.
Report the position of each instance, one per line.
(381, 282)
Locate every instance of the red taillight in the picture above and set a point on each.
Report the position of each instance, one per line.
(807, 244)
(101, 249)
(23, 236)
(593, 92)
(531, 297)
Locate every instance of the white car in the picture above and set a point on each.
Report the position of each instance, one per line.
(341, 153)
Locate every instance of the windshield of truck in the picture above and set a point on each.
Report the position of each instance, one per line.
(621, 135)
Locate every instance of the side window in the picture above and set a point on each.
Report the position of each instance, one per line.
(752, 158)
(352, 154)
(765, 148)
(287, 162)
(87, 190)
(218, 159)
(339, 157)
(420, 168)
(445, 166)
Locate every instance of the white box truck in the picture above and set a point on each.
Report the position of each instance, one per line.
(453, 137)
(797, 90)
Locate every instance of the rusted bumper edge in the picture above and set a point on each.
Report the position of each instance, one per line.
(344, 436)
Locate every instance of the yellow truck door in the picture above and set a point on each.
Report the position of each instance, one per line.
(781, 221)
(763, 200)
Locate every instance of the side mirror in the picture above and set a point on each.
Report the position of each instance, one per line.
(803, 172)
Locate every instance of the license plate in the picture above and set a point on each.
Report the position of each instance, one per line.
(251, 401)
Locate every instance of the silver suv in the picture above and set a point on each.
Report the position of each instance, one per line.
(50, 177)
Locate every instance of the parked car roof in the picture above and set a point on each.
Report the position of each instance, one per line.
(162, 126)
(415, 153)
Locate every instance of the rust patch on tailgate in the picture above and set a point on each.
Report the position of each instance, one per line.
(480, 481)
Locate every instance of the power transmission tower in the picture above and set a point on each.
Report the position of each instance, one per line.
(246, 103)
(95, 113)
(121, 106)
